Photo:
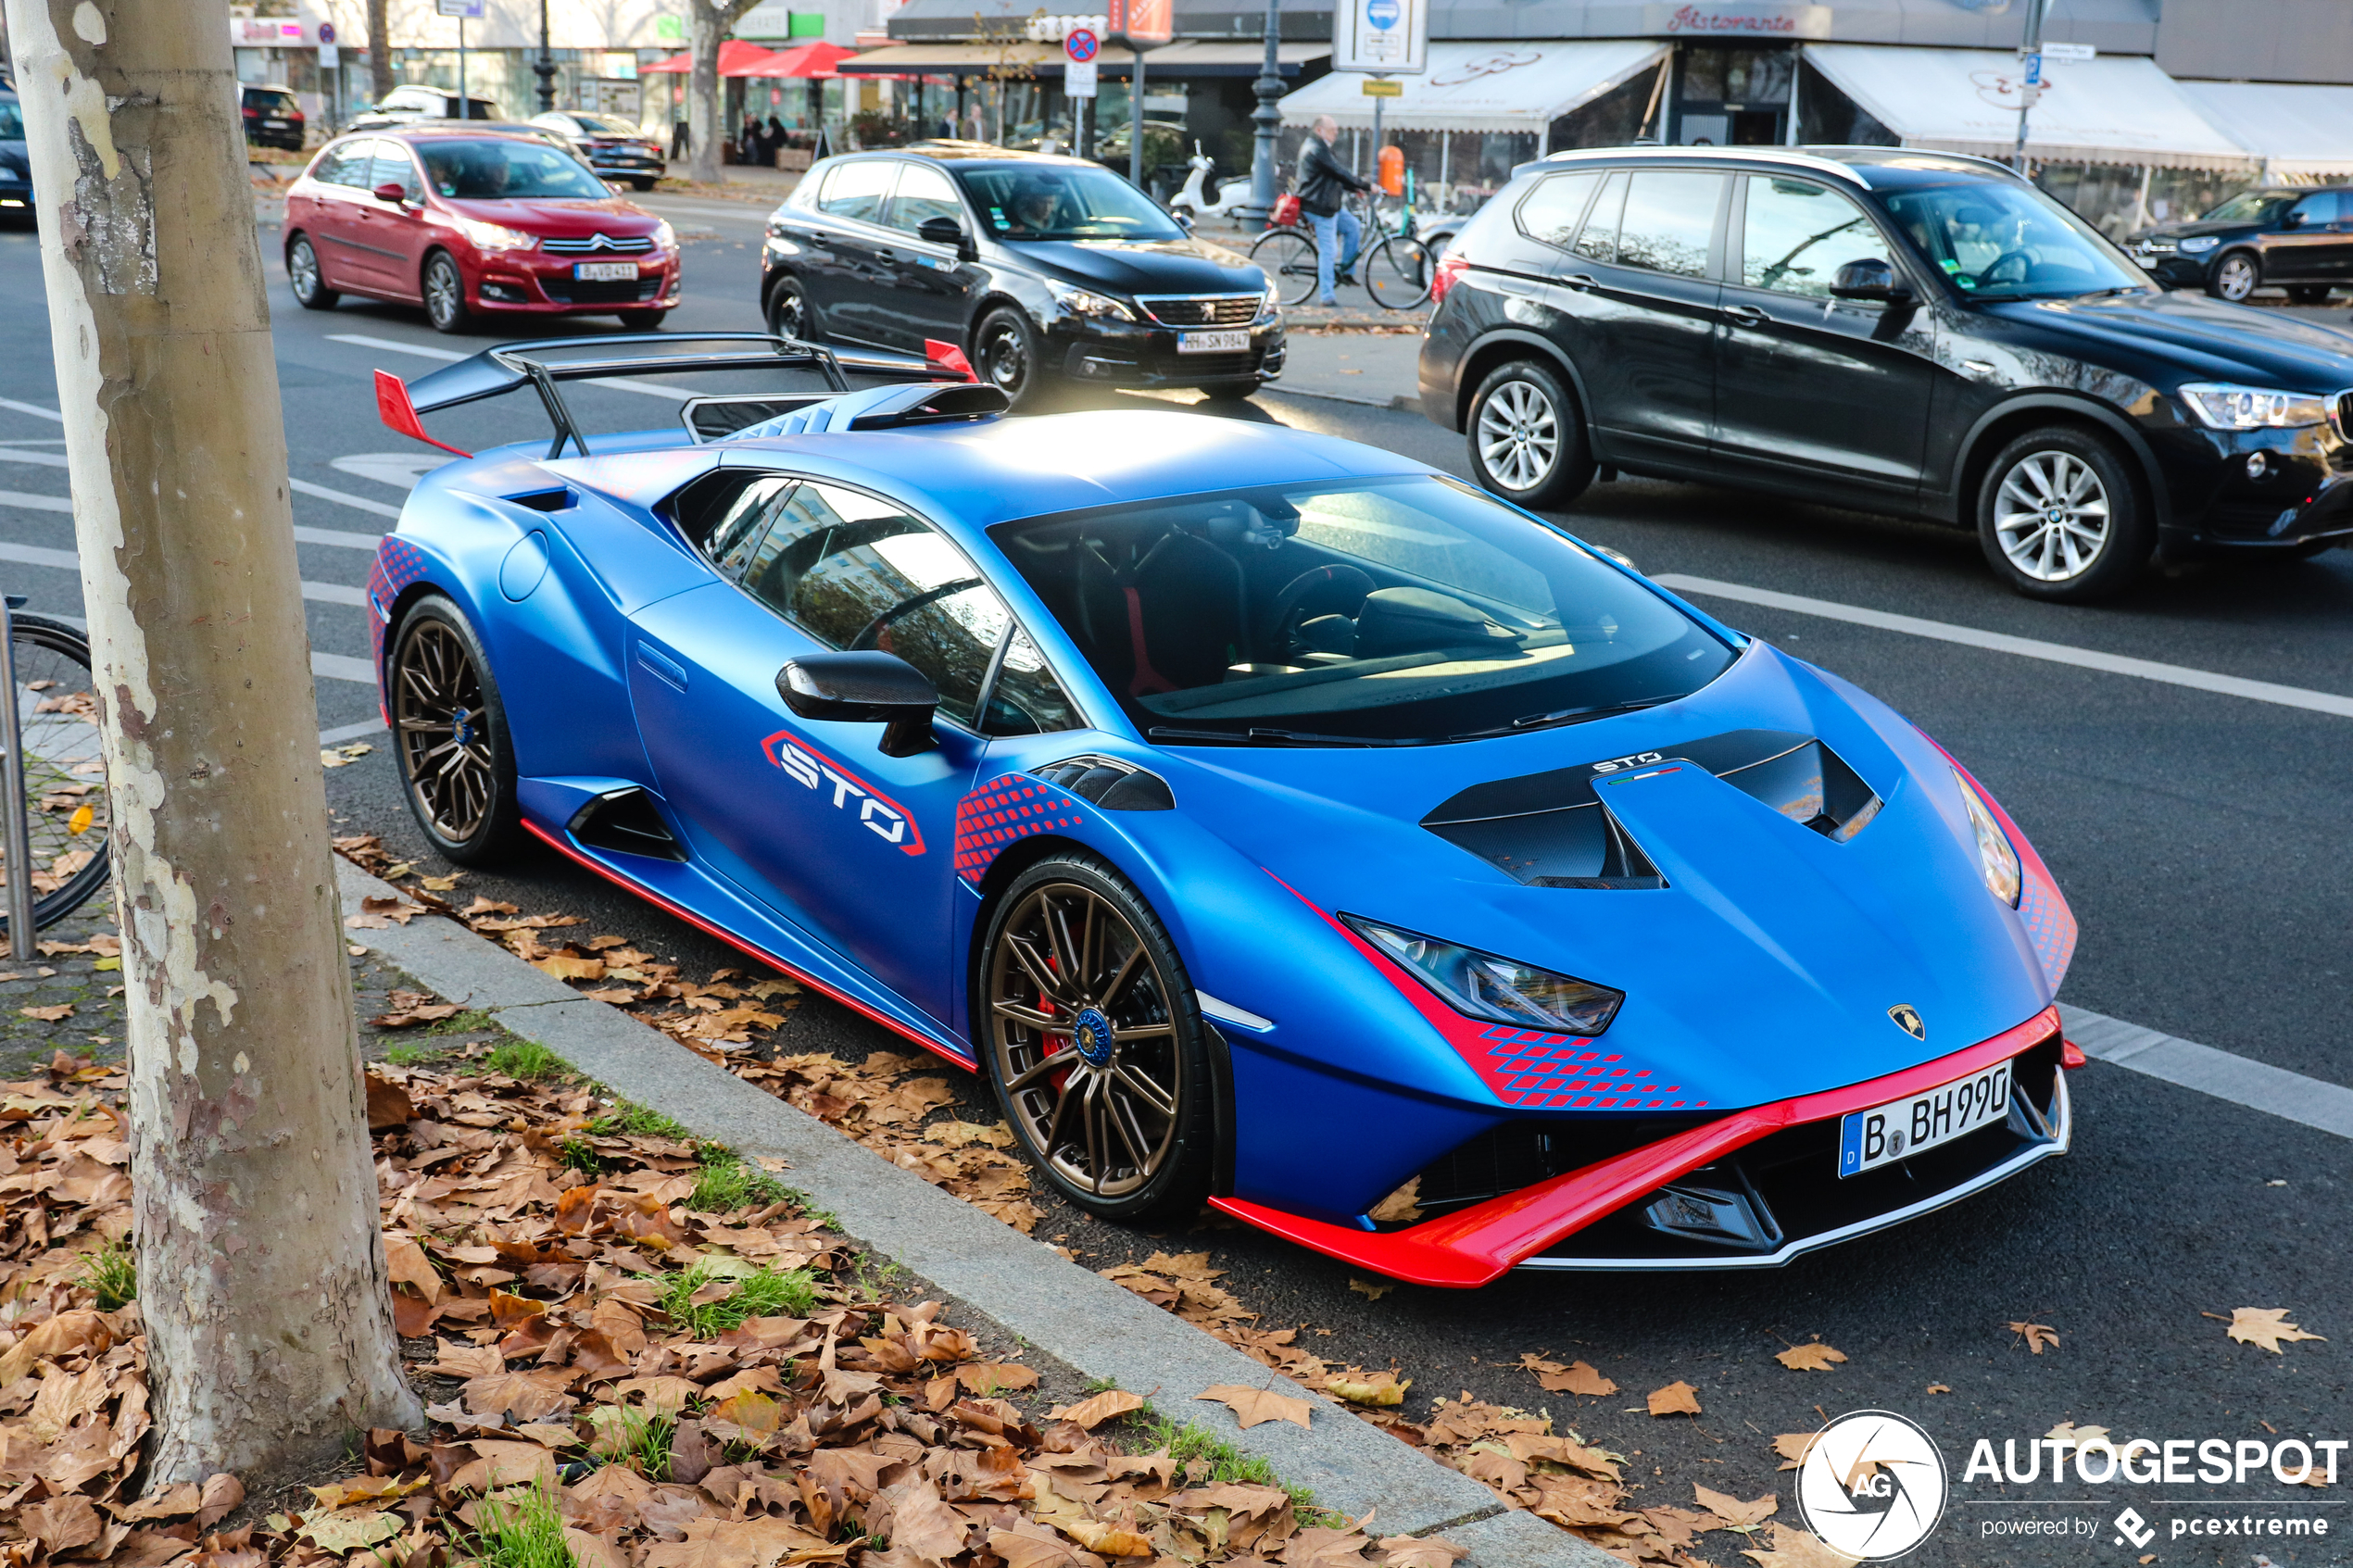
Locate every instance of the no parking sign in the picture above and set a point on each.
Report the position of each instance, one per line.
(1080, 49)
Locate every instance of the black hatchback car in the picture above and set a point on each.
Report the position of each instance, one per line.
(1038, 268)
(272, 116)
(2298, 238)
(1914, 333)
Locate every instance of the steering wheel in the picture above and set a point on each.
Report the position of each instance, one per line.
(2025, 269)
(871, 633)
(1344, 582)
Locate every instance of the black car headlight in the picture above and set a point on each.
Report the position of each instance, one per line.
(1497, 989)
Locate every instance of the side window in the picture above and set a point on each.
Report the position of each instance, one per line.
(1798, 235)
(856, 189)
(1026, 699)
(391, 166)
(345, 165)
(857, 573)
(2318, 210)
(924, 192)
(739, 527)
(1550, 211)
(1669, 215)
(1598, 240)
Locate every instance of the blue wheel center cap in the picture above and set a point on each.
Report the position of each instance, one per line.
(462, 727)
(1091, 1036)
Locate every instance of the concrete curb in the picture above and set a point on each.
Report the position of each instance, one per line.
(1068, 1311)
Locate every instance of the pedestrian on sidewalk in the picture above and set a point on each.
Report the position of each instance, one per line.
(1324, 183)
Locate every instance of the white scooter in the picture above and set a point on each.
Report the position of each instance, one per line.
(1232, 197)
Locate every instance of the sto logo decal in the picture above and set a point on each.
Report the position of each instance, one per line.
(874, 811)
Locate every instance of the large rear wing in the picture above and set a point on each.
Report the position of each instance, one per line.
(546, 364)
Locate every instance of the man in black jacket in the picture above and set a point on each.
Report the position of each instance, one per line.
(1323, 182)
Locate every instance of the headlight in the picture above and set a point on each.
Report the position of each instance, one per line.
(1086, 302)
(1996, 860)
(1500, 990)
(493, 237)
(2198, 245)
(665, 237)
(2253, 407)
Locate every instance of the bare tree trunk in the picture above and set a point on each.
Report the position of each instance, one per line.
(380, 48)
(262, 1270)
(708, 24)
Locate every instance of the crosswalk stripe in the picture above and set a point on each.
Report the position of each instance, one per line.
(66, 560)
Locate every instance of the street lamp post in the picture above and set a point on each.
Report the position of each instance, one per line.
(544, 67)
(1268, 118)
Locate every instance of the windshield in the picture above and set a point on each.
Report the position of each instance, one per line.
(11, 122)
(1363, 613)
(2251, 207)
(606, 125)
(496, 170)
(2005, 240)
(1054, 202)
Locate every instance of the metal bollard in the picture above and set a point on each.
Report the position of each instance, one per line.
(18, 841)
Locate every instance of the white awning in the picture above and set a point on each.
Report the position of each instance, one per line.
(2117, 108)
(1483, 86)
(2294, 129)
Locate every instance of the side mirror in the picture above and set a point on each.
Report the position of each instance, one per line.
(2294, 219)
(864, 688)
(1869, 279)
(392, 191)
(1184, 219)
(941, 231)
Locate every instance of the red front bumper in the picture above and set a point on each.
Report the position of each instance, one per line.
(1473, 1246)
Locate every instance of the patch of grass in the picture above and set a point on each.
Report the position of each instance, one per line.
(580, 1157)
(523, 1530)
(727, 1183)
(113, 1273)
(629, 1120)
(762, 1294)
(1188, 1440)
(474, 1021)
(527, 1059)
(406, 1055)
(645, 1439)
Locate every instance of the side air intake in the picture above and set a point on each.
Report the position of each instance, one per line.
(627, 821)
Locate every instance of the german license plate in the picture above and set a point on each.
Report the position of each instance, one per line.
(276, 124)
(605, 271)
(1900, 1129)
(1213, 343)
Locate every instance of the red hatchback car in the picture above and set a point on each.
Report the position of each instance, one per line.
(467, 222)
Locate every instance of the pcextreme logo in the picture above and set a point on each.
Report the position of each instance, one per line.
(1872, 1486)
(874, 811)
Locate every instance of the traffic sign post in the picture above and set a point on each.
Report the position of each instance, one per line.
(463, 10)
(1384, 37)
(1081, 58)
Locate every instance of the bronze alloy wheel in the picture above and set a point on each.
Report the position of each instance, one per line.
(451, 736)
(1095, 1059)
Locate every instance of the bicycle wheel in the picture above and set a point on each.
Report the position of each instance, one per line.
(1287, 257)
(1397, 273)
(65, 772)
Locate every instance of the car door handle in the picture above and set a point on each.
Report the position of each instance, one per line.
(1746, 316)
(1580, 281)
(669, 672)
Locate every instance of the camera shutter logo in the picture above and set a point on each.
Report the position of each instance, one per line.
(1872, 1485)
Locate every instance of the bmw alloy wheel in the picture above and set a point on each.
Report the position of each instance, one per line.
(1086, 1040)
(2051, 515)
(2235, 277)
(1519, 434)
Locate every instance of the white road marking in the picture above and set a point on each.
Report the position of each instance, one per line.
(342, 666)
(32, 409)
(2025, 647)
(399, 470)
(344, 499)
(66, 560)
(624, 383)
(338, 538)
(343, 732)
(304, 487)
(36, 503)
(2241, 1080)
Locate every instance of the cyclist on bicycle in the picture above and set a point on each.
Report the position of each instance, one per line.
(1324, 182)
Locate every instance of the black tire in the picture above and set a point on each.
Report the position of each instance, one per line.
(1134, 1154)
(444, 291)
(790, 313)
(2061, 515)
(643, 320)
(1397, 273)
(1526, 436)
(642, 184)
(1006, 356)
(2234, 275)
(1228, 391)
(1287, 257)
(2308, 293)
(310, 291)
(441, 686)
(62, 755)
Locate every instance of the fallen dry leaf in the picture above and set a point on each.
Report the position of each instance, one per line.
(1254, 1405)
(1371, 1289)
(1576, 1378)
(1938, 1389)
(1676, 1398)
(61, 1012)
(1795, 1548)
(1734, 1511)
(2036, 1335)
(1814, 1356)
(1092, 1413)
(1792, 1447)
(2267, 1327)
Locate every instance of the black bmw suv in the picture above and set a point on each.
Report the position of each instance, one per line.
(1038, 268)
(2298, 238)
(1915, 333)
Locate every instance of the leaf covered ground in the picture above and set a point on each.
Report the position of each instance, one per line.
(635, 1352)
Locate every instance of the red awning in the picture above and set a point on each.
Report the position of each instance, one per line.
(736, 59)
(814, 60)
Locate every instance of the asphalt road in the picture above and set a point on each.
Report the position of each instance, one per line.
(2201, 837)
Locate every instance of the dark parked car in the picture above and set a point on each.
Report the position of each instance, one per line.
(614, 147)
(272, 117)
(2299, 238)
(1036, 267)
(1915, 333)
(15, 165)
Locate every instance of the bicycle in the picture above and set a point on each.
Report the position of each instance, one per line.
(1396, 269)
(67, 822)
